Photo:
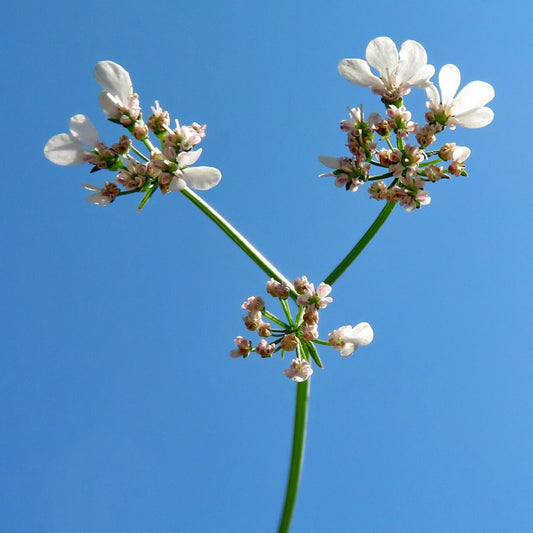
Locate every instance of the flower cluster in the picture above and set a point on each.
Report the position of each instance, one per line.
(166, 167)
(299, 334)
(408, 161)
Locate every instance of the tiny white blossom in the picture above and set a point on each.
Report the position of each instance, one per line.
(330, 162)
(117, 97)
(199, 178)
(347, 338)
(467, 108)
(461, 153)
(398, 72)
(103, 195)
(70, 149)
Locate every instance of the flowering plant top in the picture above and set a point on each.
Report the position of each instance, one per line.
(411, 163)
(404, 153)
(408, 157)
(168, 165)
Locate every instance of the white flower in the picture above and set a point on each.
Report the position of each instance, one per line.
(347, 338)
(461, 153)
(330, 162)
(397, 72)
(199, 178)
(467, 108)
(103, 195)
(64, 149)
(117, 98)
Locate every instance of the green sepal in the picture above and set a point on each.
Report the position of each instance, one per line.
(313, 352)
(146, 197)
(117, 165)
(148, 185)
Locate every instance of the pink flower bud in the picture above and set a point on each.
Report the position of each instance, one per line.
(253, 320)
(277, 289)
(140, 131)
(254, 303)
(264, 349)
(310, 331)
(311, 316)
(301, 284)
(289, 342)
(300, 370)
(264, 330)
(244, 347)
(446, 152)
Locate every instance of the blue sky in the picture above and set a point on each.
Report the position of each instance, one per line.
(120, 409)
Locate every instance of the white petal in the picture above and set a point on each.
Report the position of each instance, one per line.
(189, 158)
(357, 71)
(422, 76)
(472, 96)
(201, 178)
(114, 79)
(361, 334)
(476, 118)
(64, 149)
(330, 161)
(90, 187)
(83, 129)
(177, 183)
(382, 54)
(99, 199)
(433, 94)
(461, 153)
(449, 80)
(108, 104)
(413, 68)
(348, 349)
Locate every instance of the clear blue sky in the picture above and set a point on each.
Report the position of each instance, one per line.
(120, 409)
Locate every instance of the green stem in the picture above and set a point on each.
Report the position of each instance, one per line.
(323, 343)
(298, 444)
(360, 246)
(139, 153)
(276, 320)
(302, 389)
(287, 311)
(247, 247)
(380, 177)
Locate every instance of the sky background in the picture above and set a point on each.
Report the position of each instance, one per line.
(120, 409)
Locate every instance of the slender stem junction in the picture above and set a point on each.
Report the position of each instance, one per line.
(302, 389)
(246, 246)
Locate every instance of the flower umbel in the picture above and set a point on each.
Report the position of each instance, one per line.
(295, 332)
(167, 167)
(408, 161)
